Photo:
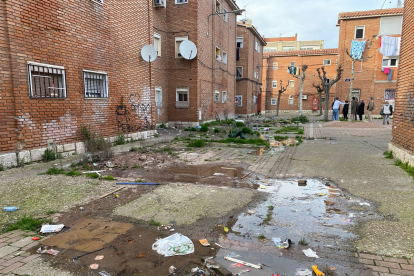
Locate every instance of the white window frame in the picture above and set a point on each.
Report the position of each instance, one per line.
(256, 45)
(288, 48)
(274, 84)
(291, 101)
(358, 28)
(241, 42)
(217, 96)
(293, 63)
(157, 37)
(388, 59)
(104, 76)
(325, 62)
(241, 71)
(290, 83)
(254, 99)
(182, 104)
(224, 57)
(224, 96)
(225, 16)
(273, 101)
(219, 7)
(241, 100)
(258, 48)
(54, 68)
(182, 2)
(177, 47)
(158, 94)
(275, 66)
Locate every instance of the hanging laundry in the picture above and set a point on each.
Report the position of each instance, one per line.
(389, 45)
(357, 48)
(297, 71)
(390, 75)
(386, 70)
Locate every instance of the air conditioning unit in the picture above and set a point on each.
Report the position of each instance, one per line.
(160, 3)
(304, 97)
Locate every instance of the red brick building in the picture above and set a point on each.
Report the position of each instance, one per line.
(402, 144)
(371, 79)
(276, 69)
(249, 69)
(65, 64)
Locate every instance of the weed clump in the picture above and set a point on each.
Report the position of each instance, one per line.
(240, 124)
(108, 177)
(154, 223)
(49, 155)
(198, 143)
(301, 119)
(120, 140)
(303, 241)
(246, 130)
(54, 170)
(27, 223)
(92, 175)
(73, 173)
(96, 145)
(389, 154)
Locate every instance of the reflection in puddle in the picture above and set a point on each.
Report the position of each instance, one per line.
(311, 212)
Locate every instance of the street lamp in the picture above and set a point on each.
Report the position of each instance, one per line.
(216, 13)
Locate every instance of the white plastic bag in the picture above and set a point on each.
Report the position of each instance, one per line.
(310, 253)
(176, 244)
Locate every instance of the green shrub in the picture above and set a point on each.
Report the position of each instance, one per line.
(54, 170)
(216, 130)
(198, 143)
(240, 124)
(301, 119)
(281, 138)
(215, 123)
(190, 129)
(86, 132)
(206, 124)
(120, 140)
(247, 130)
(49, 155)
(204, 128)
(162, 126)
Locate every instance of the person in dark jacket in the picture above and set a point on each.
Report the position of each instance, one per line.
(345, 110)
(361, 108)
(354, 108)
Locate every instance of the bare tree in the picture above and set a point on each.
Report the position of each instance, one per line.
(327, 85)
(281, 90)
(352, 73)
(302, 79)
(320, 90)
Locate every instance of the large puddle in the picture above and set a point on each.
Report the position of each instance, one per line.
(313, 212)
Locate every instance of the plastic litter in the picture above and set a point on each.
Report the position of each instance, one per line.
(317, 271)
(310, 253)
(243, 263)
(104, 273)
(233, 255)
(51, 228)
(99, 257)
(226, 229)
(173, 245)
(35, 238)
(278, 242)
(364, 204)
(204, 242)
(47, 250)
(172, 269)
(287, 243)
(11, 209)
(94, 266)
(306, 272)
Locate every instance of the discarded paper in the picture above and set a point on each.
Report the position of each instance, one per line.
(52, 228)
(310, 253)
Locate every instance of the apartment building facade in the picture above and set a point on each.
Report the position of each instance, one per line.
(377, 75)
(278, 44)
(276, 74)
(249, 68)
(69, 64)
(402, 145)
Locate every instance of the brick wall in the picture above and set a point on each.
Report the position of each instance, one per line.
(252, 61)
(368, 78)
(281, 74)
(403, 126)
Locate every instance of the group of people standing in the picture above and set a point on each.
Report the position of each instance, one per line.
(358, 109)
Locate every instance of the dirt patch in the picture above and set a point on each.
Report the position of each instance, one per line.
(185, 203)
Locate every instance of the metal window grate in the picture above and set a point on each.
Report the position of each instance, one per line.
(46, 81)
(95, 84)
(389, 94)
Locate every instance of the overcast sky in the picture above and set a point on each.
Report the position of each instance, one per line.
(310, 19)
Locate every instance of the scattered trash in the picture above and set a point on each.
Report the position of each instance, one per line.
(110, 164)
(94, 266)
(35, 238)
(364, 204)
(142, 255)
(99, 257)
(287, 243)
(302, 182)
(317, 271)
(251, 212)
(306, 272)
(81, 208)
(195, 270)
(242, 262)
(226, 229)
(47, 250)
(240, 268)
(278, 242)
(173, 245)
(233, 255)
(310, 253)
(11, 209)
(172, 269)
(204, 242)
(104, 273)
(332, 268)
(217, 174)
(51, 228)
(213, 266)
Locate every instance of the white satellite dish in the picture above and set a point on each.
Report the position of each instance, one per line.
(188, 50)
(149, 53)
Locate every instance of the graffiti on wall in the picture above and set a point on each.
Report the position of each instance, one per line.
(409, 110)
(135, 114)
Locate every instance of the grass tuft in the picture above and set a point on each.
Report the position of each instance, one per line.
(303, 241)
(198, 143)
(54, 170)
(73, 173)
(154, 223)
(388, 154)
(108, 177)
(92, 175)
(27, 223)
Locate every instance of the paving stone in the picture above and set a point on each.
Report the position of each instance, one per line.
(6, 250)
(387, 264)
(407, 267)
(27, 247)
(402, 272)
(395, 260)
(11, 240)
(366, 261)
(12, 261)
(379, 268)
(22, 242)
(6, 234)
(30, 258)
(369, 256)
(11, 268)
(16, 233)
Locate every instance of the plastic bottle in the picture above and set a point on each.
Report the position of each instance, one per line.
(11, 209)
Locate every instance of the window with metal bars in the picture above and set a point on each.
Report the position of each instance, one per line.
(95, 84)
(46, 81)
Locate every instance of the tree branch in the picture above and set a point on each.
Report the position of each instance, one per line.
(319, 74)
(338, 75)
